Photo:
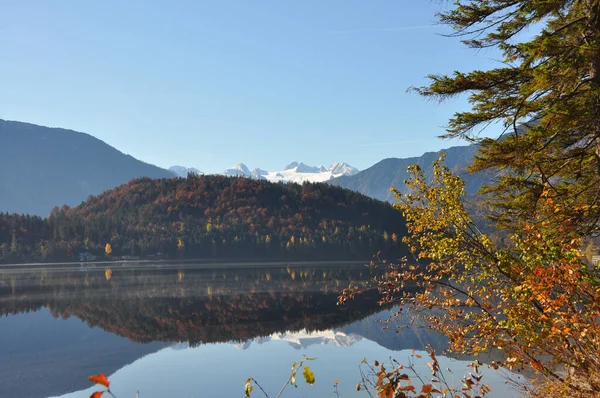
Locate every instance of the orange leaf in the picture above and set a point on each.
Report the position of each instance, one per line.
(537, 365)
(427, 388)
(100, 379)
(97, 394)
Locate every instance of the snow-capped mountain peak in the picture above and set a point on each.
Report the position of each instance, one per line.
(342, 168)
(293, 172)
(239, 169)
(291, 166)
(181, 171)
(300, 172)
(303, 168)
(300, 167)
(259, 174)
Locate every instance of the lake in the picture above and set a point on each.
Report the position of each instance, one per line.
(199, 330)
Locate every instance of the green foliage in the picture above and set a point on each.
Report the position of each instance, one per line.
(547, 95)
(22, 238)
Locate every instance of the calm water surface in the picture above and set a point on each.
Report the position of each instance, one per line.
(196, 330)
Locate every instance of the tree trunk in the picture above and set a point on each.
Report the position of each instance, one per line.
(598, 151)
(592, 36)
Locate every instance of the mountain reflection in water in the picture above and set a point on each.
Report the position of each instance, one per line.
(129, 312)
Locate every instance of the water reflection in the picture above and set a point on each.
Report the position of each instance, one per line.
(219, 370)
(132, 311)
(198, 306)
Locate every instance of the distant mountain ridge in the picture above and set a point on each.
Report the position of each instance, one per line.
(294, 172)
(43, 167)
(48, 167)
(377, 180)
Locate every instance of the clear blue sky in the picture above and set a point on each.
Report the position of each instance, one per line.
(212, 83)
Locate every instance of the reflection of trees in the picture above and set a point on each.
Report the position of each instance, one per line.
(198, 306)
(216, 318)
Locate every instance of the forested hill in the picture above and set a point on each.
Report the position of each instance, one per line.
(43, 167)
(210, 216)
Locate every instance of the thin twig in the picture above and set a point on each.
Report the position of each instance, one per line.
(292, 373)
(260, 387)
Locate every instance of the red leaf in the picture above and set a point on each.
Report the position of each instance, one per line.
(100, 379)
(97, 394)
(537, 365)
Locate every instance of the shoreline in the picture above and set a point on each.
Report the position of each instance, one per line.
(191, 263)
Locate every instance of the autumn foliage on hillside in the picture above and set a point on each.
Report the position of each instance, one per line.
(209, 216)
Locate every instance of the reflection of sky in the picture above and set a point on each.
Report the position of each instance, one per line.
(221, 369)
(41, 355)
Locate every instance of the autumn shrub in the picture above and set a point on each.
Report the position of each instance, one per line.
(395, 379)
(535, 300)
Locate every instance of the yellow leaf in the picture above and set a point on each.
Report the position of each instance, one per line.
(309, 376)
(248, 388)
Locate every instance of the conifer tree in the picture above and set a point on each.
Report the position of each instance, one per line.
(546, 94)
(14, 245)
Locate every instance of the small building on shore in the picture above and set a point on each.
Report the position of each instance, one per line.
(87, 256)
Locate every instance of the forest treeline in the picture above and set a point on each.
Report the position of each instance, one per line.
(208, 217)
